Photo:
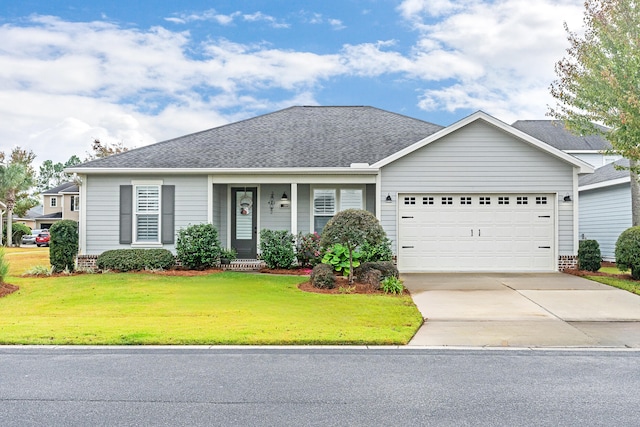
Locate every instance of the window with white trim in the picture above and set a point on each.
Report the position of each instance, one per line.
(53, 202)
(329, 201)
(75, 203)
(147, 213)
(324, 207)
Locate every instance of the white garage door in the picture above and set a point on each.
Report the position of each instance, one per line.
(482, 232)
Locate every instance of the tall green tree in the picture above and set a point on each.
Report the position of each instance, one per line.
(52, 174)
(599, 81)
(14, 179)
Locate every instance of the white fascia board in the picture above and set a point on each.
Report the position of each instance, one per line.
(584, 167)
(239, 171)
(604, 184)
(584, 151)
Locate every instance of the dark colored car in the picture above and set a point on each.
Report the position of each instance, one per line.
(42, 239)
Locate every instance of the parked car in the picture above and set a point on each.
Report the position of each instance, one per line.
(30, 239)
(42, 239)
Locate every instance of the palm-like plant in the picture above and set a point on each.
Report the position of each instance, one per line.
(14, 178)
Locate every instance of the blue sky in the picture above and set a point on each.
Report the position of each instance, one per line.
(143, 71)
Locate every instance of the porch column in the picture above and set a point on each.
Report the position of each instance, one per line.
(294, 209)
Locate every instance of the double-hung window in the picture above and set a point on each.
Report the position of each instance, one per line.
(53, 202)
(147, 213)
(324, 207)
(75, 203)
(328, 201)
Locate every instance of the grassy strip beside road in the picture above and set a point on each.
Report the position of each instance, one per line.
(224, 308)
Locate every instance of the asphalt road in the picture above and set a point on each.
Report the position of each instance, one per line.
(297, 387)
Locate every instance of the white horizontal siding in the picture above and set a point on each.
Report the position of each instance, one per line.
(103, 207)
(279, 218)
(479, 158)
(604, 214)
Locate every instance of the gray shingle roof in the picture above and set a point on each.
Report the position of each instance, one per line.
(66, 187)
(554, 133)
(289, 138)
(606, 173)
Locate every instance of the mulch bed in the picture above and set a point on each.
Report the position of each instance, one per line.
(6, 289)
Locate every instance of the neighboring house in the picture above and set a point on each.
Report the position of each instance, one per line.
(478, 195)
(604, 196)
(61, 202)
(589, 148)
(605, 206)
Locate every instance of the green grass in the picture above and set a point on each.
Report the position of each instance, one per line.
(627, 285)
(611, 270)
(225, 308)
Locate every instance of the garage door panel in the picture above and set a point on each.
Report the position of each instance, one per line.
(477, 233)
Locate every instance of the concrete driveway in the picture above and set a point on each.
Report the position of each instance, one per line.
(522, 310)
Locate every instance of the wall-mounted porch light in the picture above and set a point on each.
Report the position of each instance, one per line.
(284, 201)
(388, 199)
(567, 198)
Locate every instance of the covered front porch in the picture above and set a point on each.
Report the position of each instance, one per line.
(241, 206)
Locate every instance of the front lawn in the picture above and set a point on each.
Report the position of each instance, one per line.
(223, 308)
(628, 285)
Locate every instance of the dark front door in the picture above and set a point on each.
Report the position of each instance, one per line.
(244, 229)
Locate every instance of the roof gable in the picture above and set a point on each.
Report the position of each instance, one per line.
(296, 137)
(481, 116)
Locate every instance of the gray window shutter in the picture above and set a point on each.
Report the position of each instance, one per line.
(126, 213)
(168, 217)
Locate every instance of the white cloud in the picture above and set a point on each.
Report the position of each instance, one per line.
(509, 47)
(64, 83)
(209, 15)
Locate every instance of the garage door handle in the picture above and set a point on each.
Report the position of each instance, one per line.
(544, 247)
(404, 217)
(544, 216)
(407, 247)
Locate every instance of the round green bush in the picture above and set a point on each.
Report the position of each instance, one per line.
(198, 246)
(63, 245)
(628, 251)
(276, 248)
(322, 277)
(589, 256)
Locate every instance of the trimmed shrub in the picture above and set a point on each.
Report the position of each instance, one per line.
(322, 277)
(17, 231)
(375, 253)
(135, 259)
(277, 248)
(352, 228)
(372, 278)
(628, 251)
(63, 245)
(308, 249)
(386, 269)
(589, 256)
(198, 247)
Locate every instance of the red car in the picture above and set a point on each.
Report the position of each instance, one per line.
(42, 239)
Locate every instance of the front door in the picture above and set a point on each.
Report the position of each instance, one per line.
(244, 222)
